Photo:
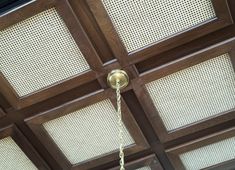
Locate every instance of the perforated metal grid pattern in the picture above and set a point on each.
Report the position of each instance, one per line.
(12, 157)
(141, 23)
(195, 93)
(87, 133)
(209, 155)
(39, 52)
(144, 168)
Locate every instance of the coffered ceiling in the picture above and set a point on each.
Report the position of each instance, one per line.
(57, 111)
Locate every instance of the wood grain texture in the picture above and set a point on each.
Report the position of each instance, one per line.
(93, 32)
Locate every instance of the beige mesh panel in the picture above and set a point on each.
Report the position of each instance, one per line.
(87, 133)
(141, 23)
(209, 155)
(12, 157)
(144, 168)
(39, 52)
(195, 93)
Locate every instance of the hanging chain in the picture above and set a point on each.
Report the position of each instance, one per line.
(120, 125)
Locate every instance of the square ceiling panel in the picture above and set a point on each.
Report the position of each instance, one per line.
(39, 52)
(12, 157)
(87, 133)
(209, 155)
(214, 151)
(142, 23)
(83, 133)
(195, 93)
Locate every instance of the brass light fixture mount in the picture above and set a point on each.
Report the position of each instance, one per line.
(119, 76)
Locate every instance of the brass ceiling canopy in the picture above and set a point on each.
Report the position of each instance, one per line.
(120, 76)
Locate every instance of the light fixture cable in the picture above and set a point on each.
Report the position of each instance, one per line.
(120, 125)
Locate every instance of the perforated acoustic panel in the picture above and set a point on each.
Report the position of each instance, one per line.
(209, 155)
(144, 168)
(39, 52)
(12, 157)
(141, 23)
(195, 93)
(87, 133)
